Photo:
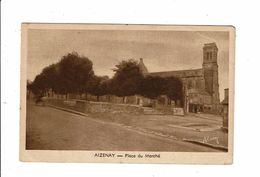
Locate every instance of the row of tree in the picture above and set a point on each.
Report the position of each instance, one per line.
(74, 74)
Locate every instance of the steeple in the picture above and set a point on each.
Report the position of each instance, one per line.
(142, 67)
(210, 69)
(210, 53)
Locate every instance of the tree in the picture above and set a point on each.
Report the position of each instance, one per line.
(39, 85)
(174, 89)
(99, 86)
(47, 79)
(152, 87)
(69, 75)
(29, 85)
(75, 72)
(51, 77)
(29, 88)
(126, 79)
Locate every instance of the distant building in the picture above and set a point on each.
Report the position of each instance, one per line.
(200, 86)
(225, 109)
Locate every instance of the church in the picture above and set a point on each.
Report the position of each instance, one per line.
(200, 86)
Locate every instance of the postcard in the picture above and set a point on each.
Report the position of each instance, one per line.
(127, 93)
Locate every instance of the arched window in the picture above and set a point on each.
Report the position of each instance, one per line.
(209, 55)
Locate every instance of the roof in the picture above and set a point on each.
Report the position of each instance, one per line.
(179, 73)
(210, 45)
(198, 91)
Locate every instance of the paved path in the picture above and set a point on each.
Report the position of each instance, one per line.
(52, 129)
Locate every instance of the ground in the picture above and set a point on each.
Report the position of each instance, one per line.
(49, 128)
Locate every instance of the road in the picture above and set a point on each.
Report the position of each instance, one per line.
(52, 129)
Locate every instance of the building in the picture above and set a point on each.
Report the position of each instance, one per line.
(225, 111)
(200, 86)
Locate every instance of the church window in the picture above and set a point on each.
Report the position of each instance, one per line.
(189, 84)
(198, 85)
(209, 55)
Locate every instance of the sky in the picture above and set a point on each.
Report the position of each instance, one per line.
(160, 50)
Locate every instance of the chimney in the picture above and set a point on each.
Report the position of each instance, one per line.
(226, 93)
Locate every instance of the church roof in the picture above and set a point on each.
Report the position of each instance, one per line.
(198, 91)
(179, 73)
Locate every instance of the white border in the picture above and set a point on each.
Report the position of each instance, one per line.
(242, 14)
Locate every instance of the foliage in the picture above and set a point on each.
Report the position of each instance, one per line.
(174, 88)
(74, 74)
(99, 85)
(127, 78)
(69, 75)
(154, 86)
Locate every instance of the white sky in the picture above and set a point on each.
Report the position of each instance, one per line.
(161, 50)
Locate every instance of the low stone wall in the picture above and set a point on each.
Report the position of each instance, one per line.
(95, 107)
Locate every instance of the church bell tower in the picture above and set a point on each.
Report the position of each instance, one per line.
(210, 69)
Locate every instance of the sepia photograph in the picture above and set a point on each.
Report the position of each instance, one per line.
(127, 93)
